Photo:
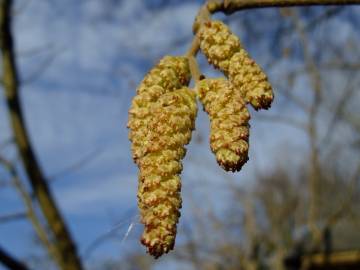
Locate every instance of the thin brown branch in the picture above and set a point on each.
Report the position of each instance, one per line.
(64, 242)
(347, 95)
(191, 54)
(30, 210)
(315, 171)
(231, 6)
(10, 262)
(342, 66)
(13, 217)
(347, 200)
(40, 70)
(85, 160)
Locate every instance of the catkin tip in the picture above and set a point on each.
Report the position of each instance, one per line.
(229, 117)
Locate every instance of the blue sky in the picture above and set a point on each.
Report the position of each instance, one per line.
(94, 56)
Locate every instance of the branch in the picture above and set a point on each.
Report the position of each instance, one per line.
(346, 202)
(13, 216)
(315, 171)
(85, 160)
(231, 6)
(10, 262)
(191, 53)
(40, 70)
(64, 242)
(30, 210)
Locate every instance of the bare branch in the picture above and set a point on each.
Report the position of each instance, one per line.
(231, 6)
(347, 200)
(64, 242)
(77, 165)
(339, 109)
(30, 209)
(13, 217)
(314, 173)
(40, 69)
(10, 262)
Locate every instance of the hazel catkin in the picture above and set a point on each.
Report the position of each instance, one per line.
(229, 117)
(161, 118)
(224, 50)
(169, 74)
(173, 119)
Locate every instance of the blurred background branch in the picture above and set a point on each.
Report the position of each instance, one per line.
(10, 262)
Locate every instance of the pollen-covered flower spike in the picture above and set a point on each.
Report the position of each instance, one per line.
(229, 117)
(224, 50)
(161, 118)
(252, 82)
(169, 130)
(172, 72)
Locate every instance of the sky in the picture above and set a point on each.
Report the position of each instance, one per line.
(79, 63)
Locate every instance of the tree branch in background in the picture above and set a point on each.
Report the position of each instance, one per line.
(314, 170)
(64, 243)
(231, 6)
(10, 262)
(30, 210)
(13, 216)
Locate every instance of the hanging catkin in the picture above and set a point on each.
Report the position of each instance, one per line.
(169, 74)
(161, 120)
(229, 130)
(173, 118)
(224, 50)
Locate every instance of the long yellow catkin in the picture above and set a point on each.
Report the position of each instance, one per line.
(224, 50)
(161, 120)
(229, 130)
(169, 74)
(159, 190)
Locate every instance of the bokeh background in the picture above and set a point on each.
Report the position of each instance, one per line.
(80, 62)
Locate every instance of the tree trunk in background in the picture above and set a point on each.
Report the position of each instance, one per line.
(68, 258)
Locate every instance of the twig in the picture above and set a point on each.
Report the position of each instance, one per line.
(348, 92)
(347, 200)
(13, 216)
(64, 242)
(231, 6)
(40, 70)
(10, 262)
(315, 172)
(30, 209)
(77, 165)
(191, 54)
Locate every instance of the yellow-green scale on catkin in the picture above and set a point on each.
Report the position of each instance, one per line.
(224, 50)
(229, 117)
(160, 120)
(173, 119)
(172, 72)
